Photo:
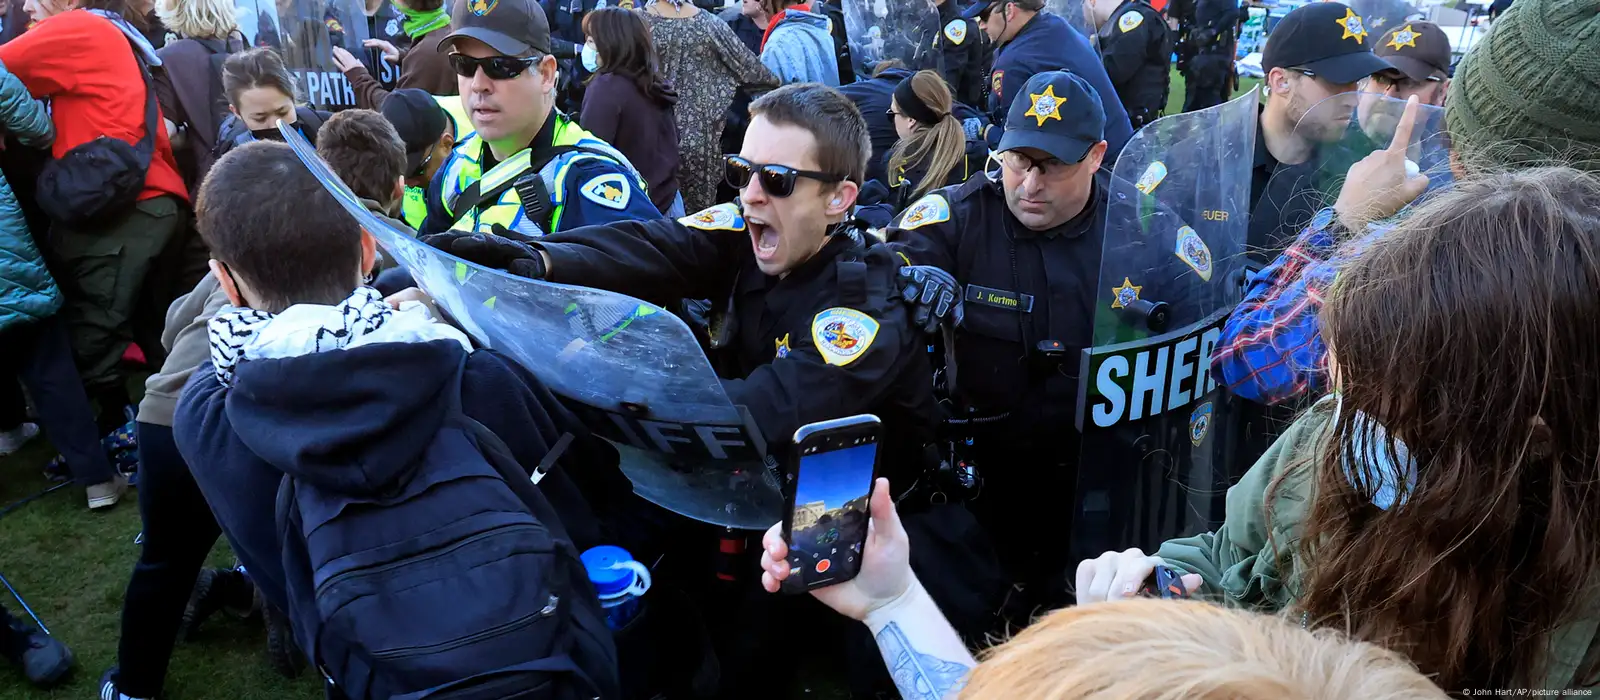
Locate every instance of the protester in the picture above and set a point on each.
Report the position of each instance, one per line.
(189, 83)
(707, 65)
(314, 381)
(422, 65)
(932, 151)
(261, 92)
(508, 80)
(798, 46)
(429, 132)
(363, 149)
(44, 660)
(88, 59)
(34, 344)
(1158, 649)
(1271, 349)
(1433, 504)
(628, 103)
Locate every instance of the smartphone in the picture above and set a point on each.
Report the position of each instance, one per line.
(831, 478)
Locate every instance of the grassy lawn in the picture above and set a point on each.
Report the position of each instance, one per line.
(73, 565)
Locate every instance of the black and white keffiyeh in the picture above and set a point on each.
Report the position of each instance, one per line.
(363, 318)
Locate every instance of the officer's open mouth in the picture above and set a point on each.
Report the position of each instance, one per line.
(763, 238)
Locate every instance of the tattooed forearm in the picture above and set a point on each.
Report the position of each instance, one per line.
(918, 675)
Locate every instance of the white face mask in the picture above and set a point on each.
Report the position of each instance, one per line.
(591, 57)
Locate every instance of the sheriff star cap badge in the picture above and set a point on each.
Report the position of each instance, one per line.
(1325, 39)
(1058, 113)
(1419, 49)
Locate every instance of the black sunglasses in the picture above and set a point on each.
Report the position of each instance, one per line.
(496, 67)
(422, 167)
(776, 180)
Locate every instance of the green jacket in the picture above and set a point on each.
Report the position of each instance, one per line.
(1242, 570)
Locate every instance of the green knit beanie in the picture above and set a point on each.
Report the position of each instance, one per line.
(1529, 94)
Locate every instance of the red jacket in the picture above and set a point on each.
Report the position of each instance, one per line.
(803, 7)
(83, 64)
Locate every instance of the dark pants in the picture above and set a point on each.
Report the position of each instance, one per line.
(1209, 81)
(179, 532)
(42, 358)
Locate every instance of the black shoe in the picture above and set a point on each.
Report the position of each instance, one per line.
(214, 590)
(282, 651)
(44, 659)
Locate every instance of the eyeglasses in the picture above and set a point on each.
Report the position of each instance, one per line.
(776, 180)
(1020, 162)
(422, 168)
(496, 67)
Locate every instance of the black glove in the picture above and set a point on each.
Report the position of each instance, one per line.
(502, 250)
(934, 296)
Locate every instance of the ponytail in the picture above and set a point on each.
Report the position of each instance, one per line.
(939, 141)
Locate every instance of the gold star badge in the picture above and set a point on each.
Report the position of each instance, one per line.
(1351, 24)
(1402, 38)
(1046, 105)
(1123, 296)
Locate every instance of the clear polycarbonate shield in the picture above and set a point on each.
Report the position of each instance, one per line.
(1075, 12)
(311, 28)
(1380, 16)
(1153, 463)
(631, 371)
(1335, 134)
(259, 23)
(900, 30)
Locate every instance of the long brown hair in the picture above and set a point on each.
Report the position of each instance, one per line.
(1469, 333)
(941, 145)
(622, 39)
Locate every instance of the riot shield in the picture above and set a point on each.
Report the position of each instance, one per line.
(1153, 465)
(311, 28)
(630, 371)
(901, 30)
(1339, 132)
(1076, 13)
(259, 23)
(1380, 16)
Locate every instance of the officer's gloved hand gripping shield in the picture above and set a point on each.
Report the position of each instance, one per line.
(901, 30)
(1153, 463)
(1340, 131)
(631, 371)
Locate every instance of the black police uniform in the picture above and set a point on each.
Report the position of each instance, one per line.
(1136, 47)
(1048, 43)
(1205, 50)
(961, 42)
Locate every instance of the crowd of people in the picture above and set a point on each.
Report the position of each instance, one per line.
(1411, 420)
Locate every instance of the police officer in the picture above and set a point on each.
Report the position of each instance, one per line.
(808, 321)
(525, 167)
(429, 125)
(1026, 247)
(1029, 41)
(1206, 37)
(963, 48)
(1136, 48)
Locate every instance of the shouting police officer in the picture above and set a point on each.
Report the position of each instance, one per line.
(1136, 49)
(1026, 248)
(1029, 41)
(527, 167)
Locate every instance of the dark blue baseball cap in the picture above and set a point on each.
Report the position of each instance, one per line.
(1325, 39)
(1058, 113)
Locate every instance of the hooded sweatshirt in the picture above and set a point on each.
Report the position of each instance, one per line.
(640, 124)
(799, 49)
(356, 420)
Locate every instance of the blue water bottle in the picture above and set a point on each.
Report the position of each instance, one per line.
(620, 581)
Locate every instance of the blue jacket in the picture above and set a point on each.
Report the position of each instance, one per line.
(27, 292)
(354, 420)
(800, 49)
(1048, 43)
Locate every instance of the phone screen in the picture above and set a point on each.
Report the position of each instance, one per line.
(828, 525)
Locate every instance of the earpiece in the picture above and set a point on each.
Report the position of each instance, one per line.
(836, 201)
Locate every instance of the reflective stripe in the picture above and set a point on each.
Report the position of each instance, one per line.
(415, 208)
(460, 123)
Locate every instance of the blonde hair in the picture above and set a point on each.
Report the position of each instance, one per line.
(198, 19)
(943, 146)
(1145, 649)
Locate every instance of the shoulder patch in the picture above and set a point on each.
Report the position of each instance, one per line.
(842, 335)
(723, 217)
(931, 209)
(1129, 21)
(956, 31)
(610, 190)
(997, 79)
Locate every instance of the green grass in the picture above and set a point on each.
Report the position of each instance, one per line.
(1176, 89)
(73, 565)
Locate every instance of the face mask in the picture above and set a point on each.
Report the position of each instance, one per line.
(591, 58)
(266, 134)
(1369, 444)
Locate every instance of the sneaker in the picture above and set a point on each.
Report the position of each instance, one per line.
(56, 471)
(107, 494)
(282, 651)
(13, 439)
(46, 660)
(214, 590)
(108, 687)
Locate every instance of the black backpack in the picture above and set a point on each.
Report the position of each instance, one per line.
(100, 179)
(458, 583)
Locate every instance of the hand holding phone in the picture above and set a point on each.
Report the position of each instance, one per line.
(825, 524)
(885, 567)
